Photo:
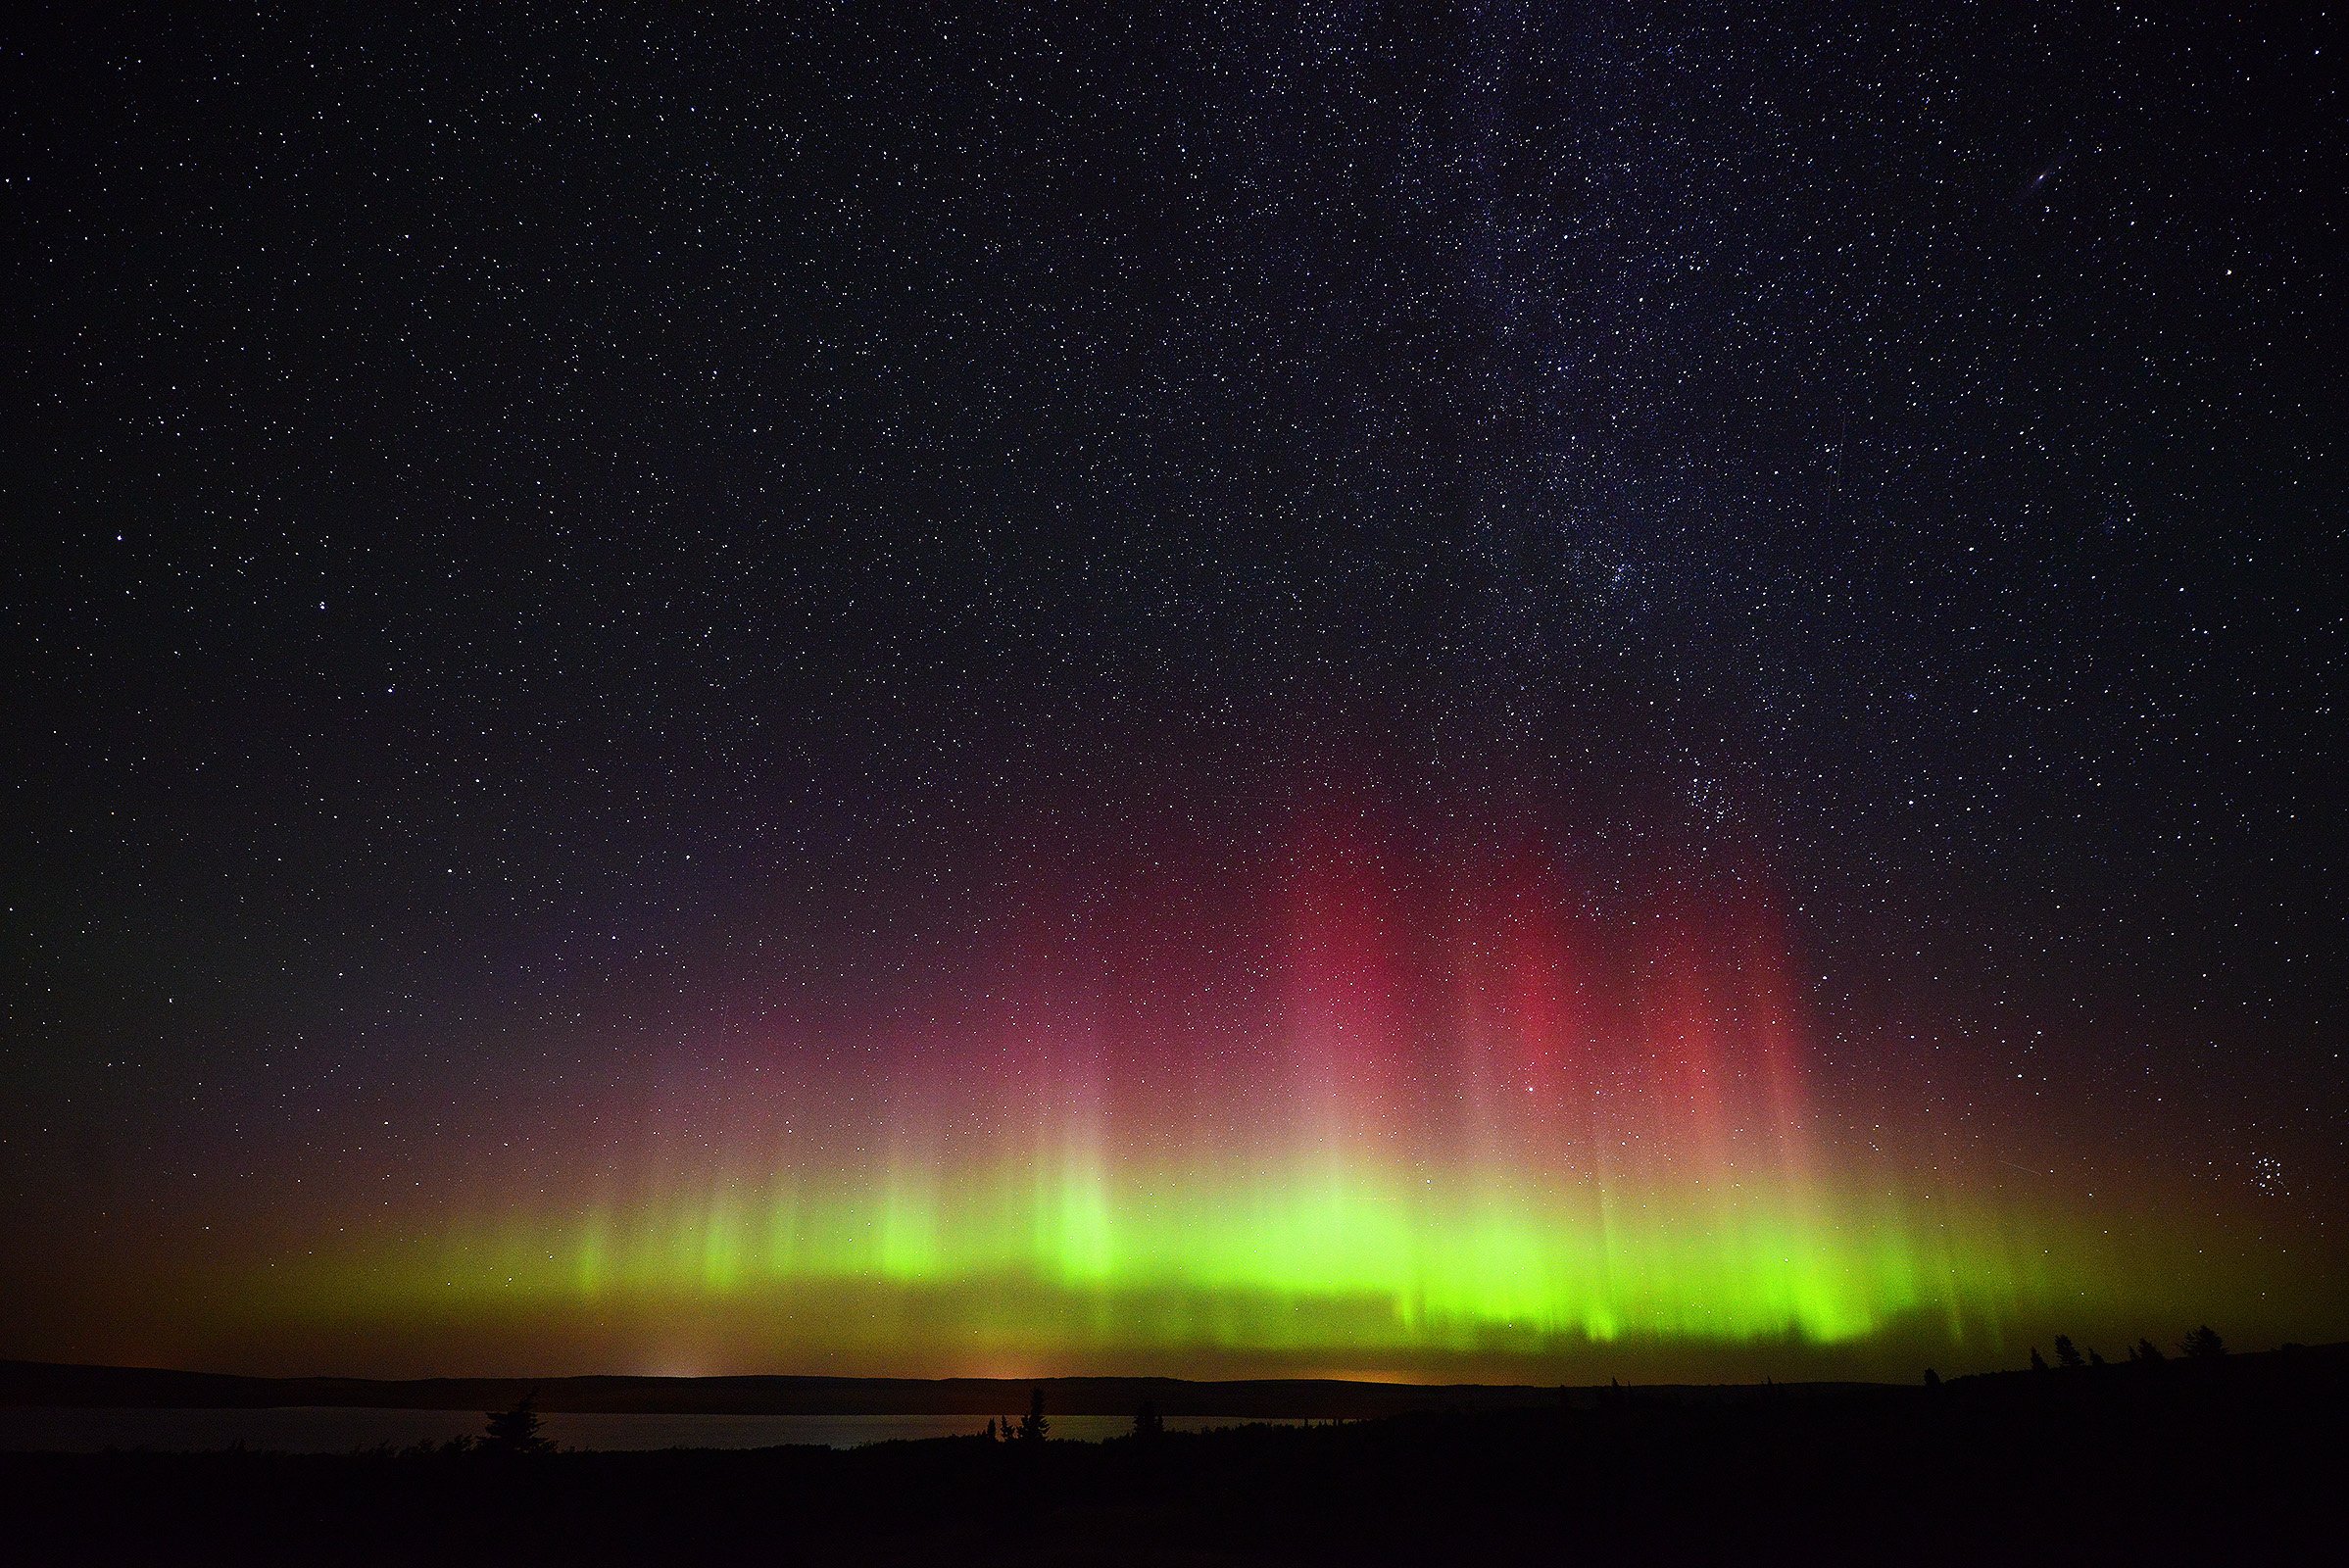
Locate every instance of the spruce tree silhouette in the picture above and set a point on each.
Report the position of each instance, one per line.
(2148, 1353)
(516, 1431)
(1149, 1425)
(2038, 1362)
(2202, 1345)
(2067, 1354)
(1033, 1427)
(1933, 1379)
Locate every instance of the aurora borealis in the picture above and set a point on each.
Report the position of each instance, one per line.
(1523, 695)
(1411, 1119)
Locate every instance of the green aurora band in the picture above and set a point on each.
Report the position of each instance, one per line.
(1525, 1148)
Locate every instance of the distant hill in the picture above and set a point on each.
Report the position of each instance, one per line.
(42, 1382)
(37, 1383)
(23, 1383)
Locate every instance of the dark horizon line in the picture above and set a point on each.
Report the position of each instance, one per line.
(98, 1386)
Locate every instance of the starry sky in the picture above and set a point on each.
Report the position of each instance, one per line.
(1484, 691)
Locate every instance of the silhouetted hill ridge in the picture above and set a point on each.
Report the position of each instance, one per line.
(40, 1383)
(59, 1384)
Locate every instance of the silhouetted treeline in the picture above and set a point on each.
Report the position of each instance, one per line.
(2202, 1344)
(2210, 1460)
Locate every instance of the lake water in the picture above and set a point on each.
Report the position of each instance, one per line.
(313, 1429)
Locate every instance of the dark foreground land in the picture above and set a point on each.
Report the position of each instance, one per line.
(2232, 1460)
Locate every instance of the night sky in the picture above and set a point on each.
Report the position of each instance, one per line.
(1521, 692)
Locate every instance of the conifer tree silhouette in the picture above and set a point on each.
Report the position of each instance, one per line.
(516, 1431)
(1033, 1427)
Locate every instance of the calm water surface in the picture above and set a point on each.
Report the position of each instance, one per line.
(313, 1429)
